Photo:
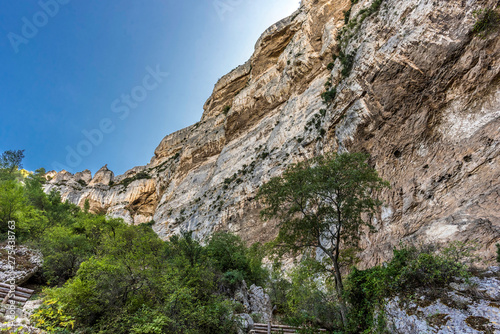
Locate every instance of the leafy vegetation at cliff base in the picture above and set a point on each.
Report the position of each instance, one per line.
(320, 204)
(410, 269)
(104, 276)
(109, 277)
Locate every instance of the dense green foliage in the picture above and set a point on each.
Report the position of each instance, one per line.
(319, 204)
(305, 298)
(50, 317)
(136, 283)
(410, 269)
(109, 277)
(10, 162)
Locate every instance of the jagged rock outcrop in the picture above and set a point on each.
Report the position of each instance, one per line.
(255, 302)
(103, 177)
(422, 99)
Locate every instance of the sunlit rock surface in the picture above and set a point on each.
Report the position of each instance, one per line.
(422, 99)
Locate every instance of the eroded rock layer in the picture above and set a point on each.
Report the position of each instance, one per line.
(422, 99)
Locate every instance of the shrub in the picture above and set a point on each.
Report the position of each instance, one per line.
(63, 252)
(230, 255)
(278, 288)
(138, 284)
(461, 252)
(234, 277)
(347, 61)
(428, 270)
(226, 109)
(306, 299)
(487, 21)
(329, 95)
(139, 176)
(409, 269)
(498, 253)
(86, 206)
(347, 14)
(52, 317)
(228, 251)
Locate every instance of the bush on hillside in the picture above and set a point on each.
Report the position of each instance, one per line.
(411, 268)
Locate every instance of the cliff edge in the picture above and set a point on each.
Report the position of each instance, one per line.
(410, 84)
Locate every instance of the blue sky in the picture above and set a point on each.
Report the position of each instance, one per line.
(90, 77)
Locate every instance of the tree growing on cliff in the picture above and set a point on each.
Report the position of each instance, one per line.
(320, 204)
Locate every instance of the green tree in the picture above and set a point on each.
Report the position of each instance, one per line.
(33, 189)
(12, 160)
(231, 256)
(322, 204)
(12, 202)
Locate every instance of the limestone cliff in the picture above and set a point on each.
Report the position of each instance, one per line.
(415, 88)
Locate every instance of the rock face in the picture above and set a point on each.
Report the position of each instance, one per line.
(256, 302)
(465, 308)
(422, 99)
(27, 263)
